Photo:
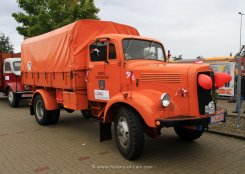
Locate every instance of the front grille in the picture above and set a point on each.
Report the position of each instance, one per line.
(204, 96)
(160, 77)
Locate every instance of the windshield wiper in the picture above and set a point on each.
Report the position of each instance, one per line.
(150, 48)
(129, 44)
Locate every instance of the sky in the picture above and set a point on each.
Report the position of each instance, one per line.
(190, 28)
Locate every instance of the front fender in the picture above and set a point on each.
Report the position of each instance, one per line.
(145, 102)
(12, 86)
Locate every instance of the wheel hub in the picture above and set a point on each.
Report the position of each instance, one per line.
(123, 132)
(39, 109)
(11, 96)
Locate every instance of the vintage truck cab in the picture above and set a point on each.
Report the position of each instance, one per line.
(132, 76)
(11, 84)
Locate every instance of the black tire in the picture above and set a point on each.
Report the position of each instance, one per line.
(86, 114)
(43, 116)
(129, 133)
(188, 134)
(13, 98)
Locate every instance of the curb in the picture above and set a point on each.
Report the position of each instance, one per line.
(235, 116)
(226, 134)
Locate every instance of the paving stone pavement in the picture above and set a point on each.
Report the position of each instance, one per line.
(230, 127)
(72, 146)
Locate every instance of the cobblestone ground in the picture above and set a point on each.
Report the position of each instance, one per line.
(72, 146)
(231, 125)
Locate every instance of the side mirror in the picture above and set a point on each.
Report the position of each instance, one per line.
(169, 55)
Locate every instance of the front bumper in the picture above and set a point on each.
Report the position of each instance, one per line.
(25, 94)
(191, 121)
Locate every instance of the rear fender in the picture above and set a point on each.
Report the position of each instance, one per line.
(145, 102)
(49, 98)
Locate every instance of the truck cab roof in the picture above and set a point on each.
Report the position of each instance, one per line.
(125, 36)
(14, 59)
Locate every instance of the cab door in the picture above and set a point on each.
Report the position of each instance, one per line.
(103, 71)
(9, 78)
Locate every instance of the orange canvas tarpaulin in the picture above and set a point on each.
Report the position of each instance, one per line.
(66, 48)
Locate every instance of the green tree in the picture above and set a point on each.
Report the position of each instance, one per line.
(5, 45)
(41, 16)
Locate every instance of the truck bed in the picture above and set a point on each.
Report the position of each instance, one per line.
(74, 80)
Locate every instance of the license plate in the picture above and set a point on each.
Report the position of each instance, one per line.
(217, 118)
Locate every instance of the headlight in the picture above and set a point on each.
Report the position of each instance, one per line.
(210, 108)
(165, 100)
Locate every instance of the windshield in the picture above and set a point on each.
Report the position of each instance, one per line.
(142, 49)
(16, 66)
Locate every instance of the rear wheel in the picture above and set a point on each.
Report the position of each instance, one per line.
(43, 116)
(13, 98)
(129, 133)
(189, 134)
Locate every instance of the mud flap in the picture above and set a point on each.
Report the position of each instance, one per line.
(31, 110)
(105, 131)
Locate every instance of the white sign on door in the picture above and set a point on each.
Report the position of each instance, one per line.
(101, 94)
(6, 78)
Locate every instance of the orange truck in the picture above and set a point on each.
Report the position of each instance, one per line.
(111, 73)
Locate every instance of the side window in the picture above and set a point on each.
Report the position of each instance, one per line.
(112, 51)
(7, 67)
(16, 66)
(98, 51)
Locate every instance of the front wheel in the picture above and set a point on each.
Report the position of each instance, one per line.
(129, 133)
(43, 116)
(189, 134)
(13, 98)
